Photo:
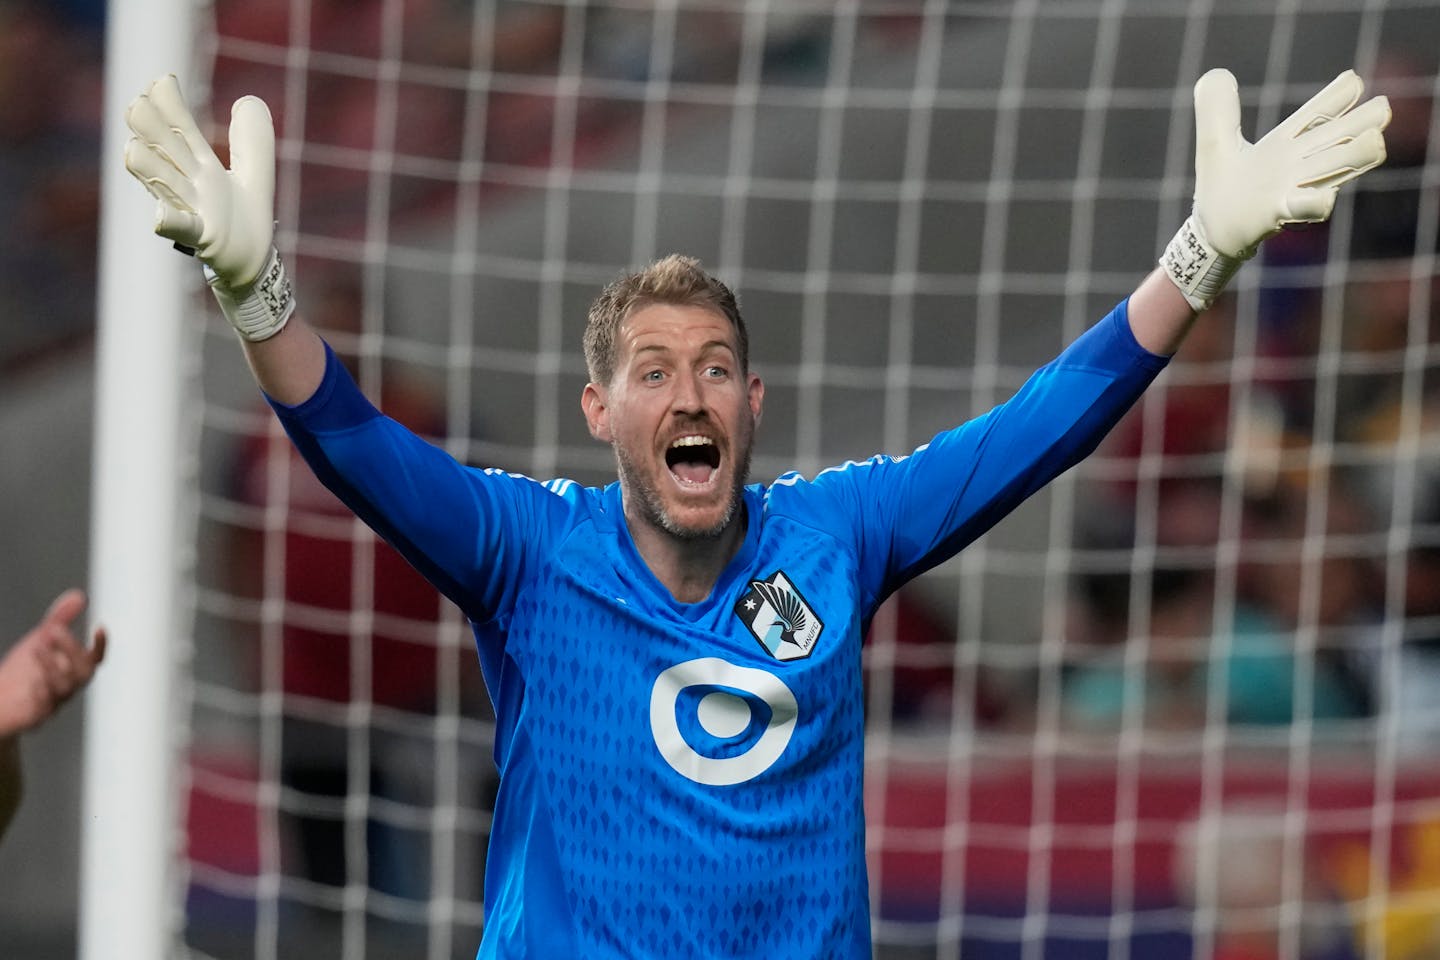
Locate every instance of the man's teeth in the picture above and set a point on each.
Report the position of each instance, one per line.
(693, 459)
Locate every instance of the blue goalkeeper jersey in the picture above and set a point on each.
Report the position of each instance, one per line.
(684, 779)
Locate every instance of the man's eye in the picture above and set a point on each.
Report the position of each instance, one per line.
(654, 376)
(716, 372)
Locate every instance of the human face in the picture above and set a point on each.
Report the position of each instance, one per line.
(681, 416)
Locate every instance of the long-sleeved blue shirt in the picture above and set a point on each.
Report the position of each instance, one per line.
(684, 779)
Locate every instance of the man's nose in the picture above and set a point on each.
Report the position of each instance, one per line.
(688, 397)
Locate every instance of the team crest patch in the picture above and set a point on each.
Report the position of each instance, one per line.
(779, 617)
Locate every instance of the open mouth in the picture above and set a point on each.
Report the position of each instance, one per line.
(693, 459)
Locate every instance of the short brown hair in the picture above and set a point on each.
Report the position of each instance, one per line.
(677, 280)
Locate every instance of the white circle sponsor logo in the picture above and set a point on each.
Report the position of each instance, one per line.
(722, 715)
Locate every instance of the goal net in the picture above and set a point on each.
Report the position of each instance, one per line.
(1184, 702)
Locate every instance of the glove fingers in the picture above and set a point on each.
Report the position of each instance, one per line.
(252, 149)
(1343, 162)
(159, 174)
(1333, 101)
(165, 96)
(148, 123)
(1217, 114)
(1373, 114)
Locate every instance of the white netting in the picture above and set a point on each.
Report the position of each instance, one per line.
(918, 203)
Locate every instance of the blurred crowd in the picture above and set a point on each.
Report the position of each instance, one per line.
(1259, 539)
(424, 126)
(1288, 478)
(50, 92)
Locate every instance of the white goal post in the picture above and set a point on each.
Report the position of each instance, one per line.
(142, 550)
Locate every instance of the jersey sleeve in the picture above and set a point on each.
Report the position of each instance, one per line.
(917, 511)
(472, 533)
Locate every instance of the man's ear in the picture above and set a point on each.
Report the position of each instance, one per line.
(597, 412)
(756, 395)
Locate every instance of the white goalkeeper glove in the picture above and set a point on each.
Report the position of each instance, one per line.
(225, 217)
(1245, 192)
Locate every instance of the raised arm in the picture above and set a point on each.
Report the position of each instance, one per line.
(226, 219)
(469, 531)
(1245, 192)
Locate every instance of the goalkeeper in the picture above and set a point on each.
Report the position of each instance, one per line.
(674, 659)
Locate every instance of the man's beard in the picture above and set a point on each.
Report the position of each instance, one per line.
(646, 497)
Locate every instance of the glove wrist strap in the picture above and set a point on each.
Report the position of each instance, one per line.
(261, 308)
(1197, 268)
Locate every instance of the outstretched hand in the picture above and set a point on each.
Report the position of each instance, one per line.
(225, 217)
(1245, 192)
(47, 666)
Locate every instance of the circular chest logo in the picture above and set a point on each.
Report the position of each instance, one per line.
(720, 724)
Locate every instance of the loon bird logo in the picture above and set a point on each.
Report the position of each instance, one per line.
(778, 616)
(789, 610)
